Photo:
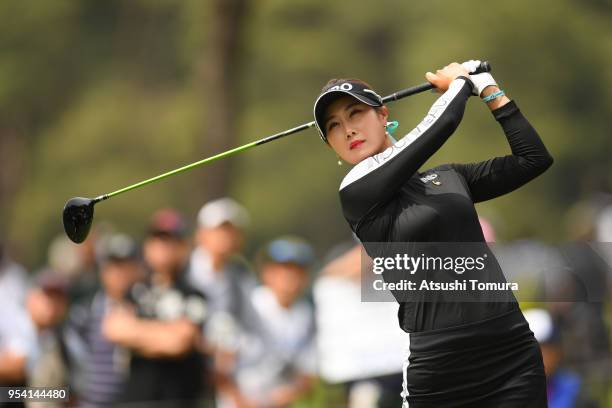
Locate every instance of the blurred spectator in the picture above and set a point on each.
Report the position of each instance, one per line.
(78, 263)
(17, 335)
(13, 280)
(104, 364)
(47, 303)
(603, 227)
(217, 270)
(488, 231)
(63, 256)
(278, 365)
(603, 234)
(17, 346)
(86, 282)
(583, 322)
(584, 318)
(163, 333)
(565, 388)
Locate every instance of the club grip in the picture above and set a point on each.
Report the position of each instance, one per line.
(484, 66)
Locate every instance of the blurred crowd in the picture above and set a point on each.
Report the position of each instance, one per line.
(183, 318)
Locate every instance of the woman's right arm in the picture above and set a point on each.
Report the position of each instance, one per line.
(376, 179)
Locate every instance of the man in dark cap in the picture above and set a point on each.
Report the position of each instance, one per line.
(278, 365)
(103, 363)
(163, 333)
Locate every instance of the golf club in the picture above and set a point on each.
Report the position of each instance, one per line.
(79, 211)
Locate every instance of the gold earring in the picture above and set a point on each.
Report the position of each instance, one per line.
(339, 161)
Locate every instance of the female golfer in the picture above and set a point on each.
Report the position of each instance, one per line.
(479, 353)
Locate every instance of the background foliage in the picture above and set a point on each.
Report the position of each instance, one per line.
(97, 95)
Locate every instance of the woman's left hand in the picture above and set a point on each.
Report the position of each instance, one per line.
(443, 77)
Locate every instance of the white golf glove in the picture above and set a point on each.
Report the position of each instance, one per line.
(481, 81)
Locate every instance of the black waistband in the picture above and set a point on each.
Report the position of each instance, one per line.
(501, 328)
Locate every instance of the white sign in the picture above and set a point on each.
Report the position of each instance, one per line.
(355, 339)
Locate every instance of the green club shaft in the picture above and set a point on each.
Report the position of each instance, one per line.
(204, 161)
(484, 67)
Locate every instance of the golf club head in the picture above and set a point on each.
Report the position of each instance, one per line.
(78, 216)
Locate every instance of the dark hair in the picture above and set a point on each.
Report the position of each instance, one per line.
(336, 81)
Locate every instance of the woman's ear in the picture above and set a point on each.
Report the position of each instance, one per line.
(383, 113)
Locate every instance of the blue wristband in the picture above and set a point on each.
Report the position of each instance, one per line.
(493, 96)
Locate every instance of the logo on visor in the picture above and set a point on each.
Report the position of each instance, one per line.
(342, 87)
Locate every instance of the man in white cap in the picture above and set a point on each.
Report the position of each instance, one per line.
(217, 269)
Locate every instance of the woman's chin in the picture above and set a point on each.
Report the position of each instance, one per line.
(363, 154)
(356, 158)
(358, 154)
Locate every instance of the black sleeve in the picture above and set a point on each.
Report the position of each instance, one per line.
(500, 175)
(195, 306)
(376, 179)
